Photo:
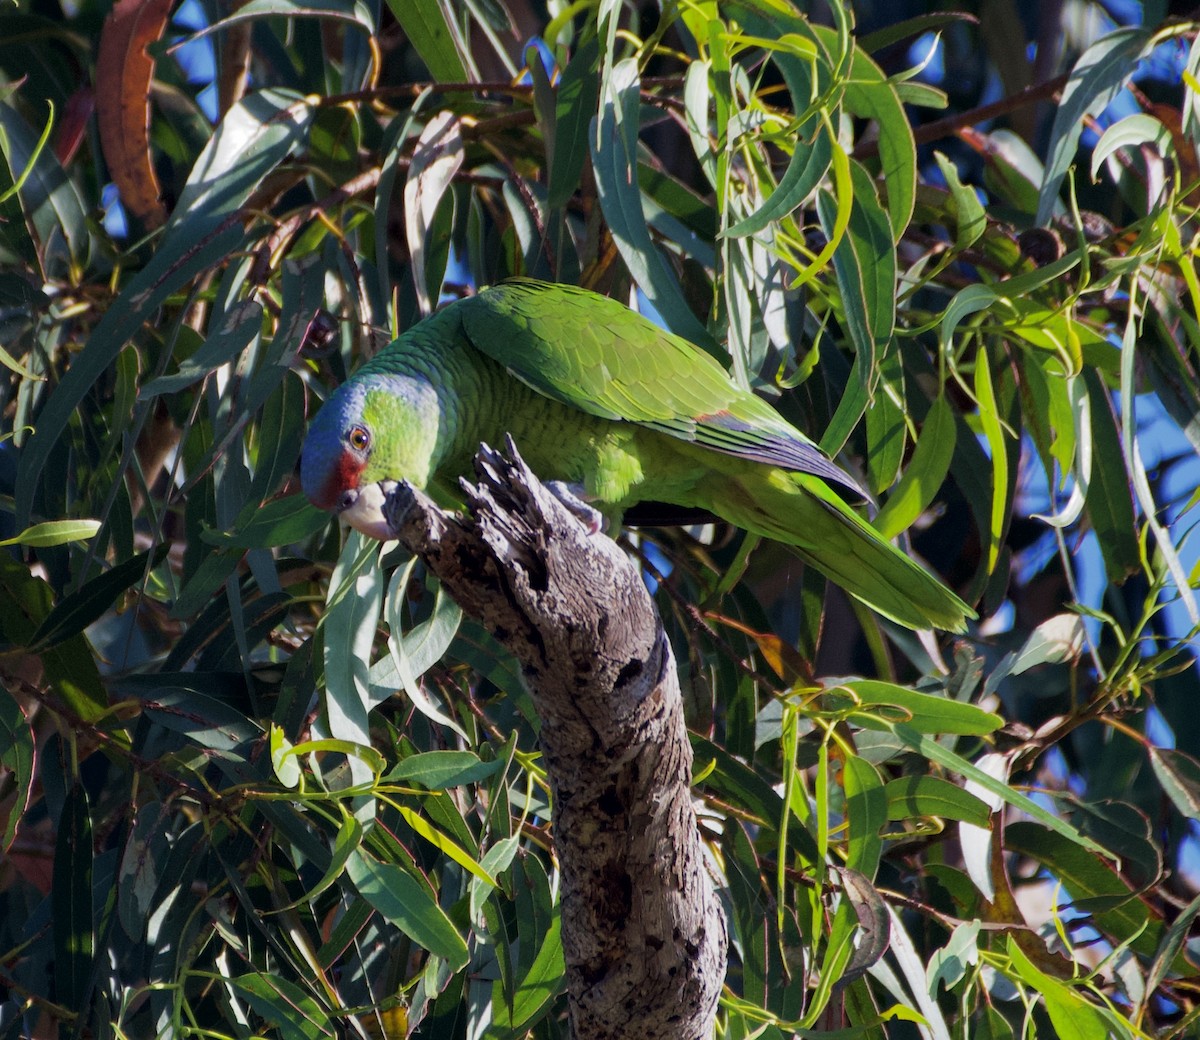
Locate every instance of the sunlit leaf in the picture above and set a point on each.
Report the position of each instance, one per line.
(427, 25)
(54, 532)
(912, 797)
(1073, 1017)
(924, 712)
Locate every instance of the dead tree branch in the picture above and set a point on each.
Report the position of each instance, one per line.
(643, 934)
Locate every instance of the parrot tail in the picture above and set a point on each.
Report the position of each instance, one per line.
(803, 512)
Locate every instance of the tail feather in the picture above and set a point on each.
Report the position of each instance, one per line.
(802, 512)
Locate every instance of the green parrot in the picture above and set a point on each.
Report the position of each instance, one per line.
(614, 411)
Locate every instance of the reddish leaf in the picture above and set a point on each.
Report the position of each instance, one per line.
(73, 124)
(123, 72)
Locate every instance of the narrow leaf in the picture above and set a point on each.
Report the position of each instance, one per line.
(73, 923)
(17, 757)
(407, 904)
(124, 70)
(1097, 77)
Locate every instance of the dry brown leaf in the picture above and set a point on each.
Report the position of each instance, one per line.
(124, 69)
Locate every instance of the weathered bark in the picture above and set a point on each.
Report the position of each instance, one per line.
(643, 934)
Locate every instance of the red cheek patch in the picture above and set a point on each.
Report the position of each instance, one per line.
(342, 477)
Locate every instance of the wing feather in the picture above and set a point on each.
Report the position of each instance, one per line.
(594, 354)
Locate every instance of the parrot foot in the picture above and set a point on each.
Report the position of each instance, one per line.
(571, 496)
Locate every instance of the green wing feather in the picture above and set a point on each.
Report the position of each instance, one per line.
(594, 354)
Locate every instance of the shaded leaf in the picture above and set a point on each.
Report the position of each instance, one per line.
(73, 614)
(1098, 75)
(1179, 774)
(408, 905)
(74, 924)
(17, 758)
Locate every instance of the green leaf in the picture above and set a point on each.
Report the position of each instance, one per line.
(865, 264)
(923, 712)
(924, 475)
(811, 155)
(887, 428)
(1013, 171)
(912, 797)
(354, 11)
(205, 229)
(71, 897)
(1073, 1017)
(949, 964)
(866, 815)
(285, 1005)
(407, 904)
(17, 753)
(348, 838)
(970, 218)
(49, 198)
(283, 758)
(1177, 937)
(351, 616)
(1099, 74)
(1059, 638)
(1122, 916)
(1109, 501)
(429, 29)
(80, 609)
(993, 430)
(436, 159)
(184, 704)
(283, 521)
(446, 845)
(614, 153)
(54, 532)
(411, 654)
(911, 28)
(574, 108)
(225, 343)
(1179, 774)
(545, 980)
(437, 770)
(1132, 132)
(942, 756)
(25, 602)
(739, 783)
(870, 95)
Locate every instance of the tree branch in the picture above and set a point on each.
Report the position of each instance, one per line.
(643, 934)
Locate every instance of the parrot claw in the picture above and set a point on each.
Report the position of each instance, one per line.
(571, 496)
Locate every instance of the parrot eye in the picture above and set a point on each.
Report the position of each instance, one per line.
(358, 438)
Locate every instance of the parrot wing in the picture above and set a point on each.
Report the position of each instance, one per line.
(592, 353)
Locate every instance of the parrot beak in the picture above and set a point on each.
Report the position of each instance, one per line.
(362, 509)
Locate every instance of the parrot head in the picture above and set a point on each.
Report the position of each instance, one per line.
(368, 435)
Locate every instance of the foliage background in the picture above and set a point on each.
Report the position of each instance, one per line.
(231, 808)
